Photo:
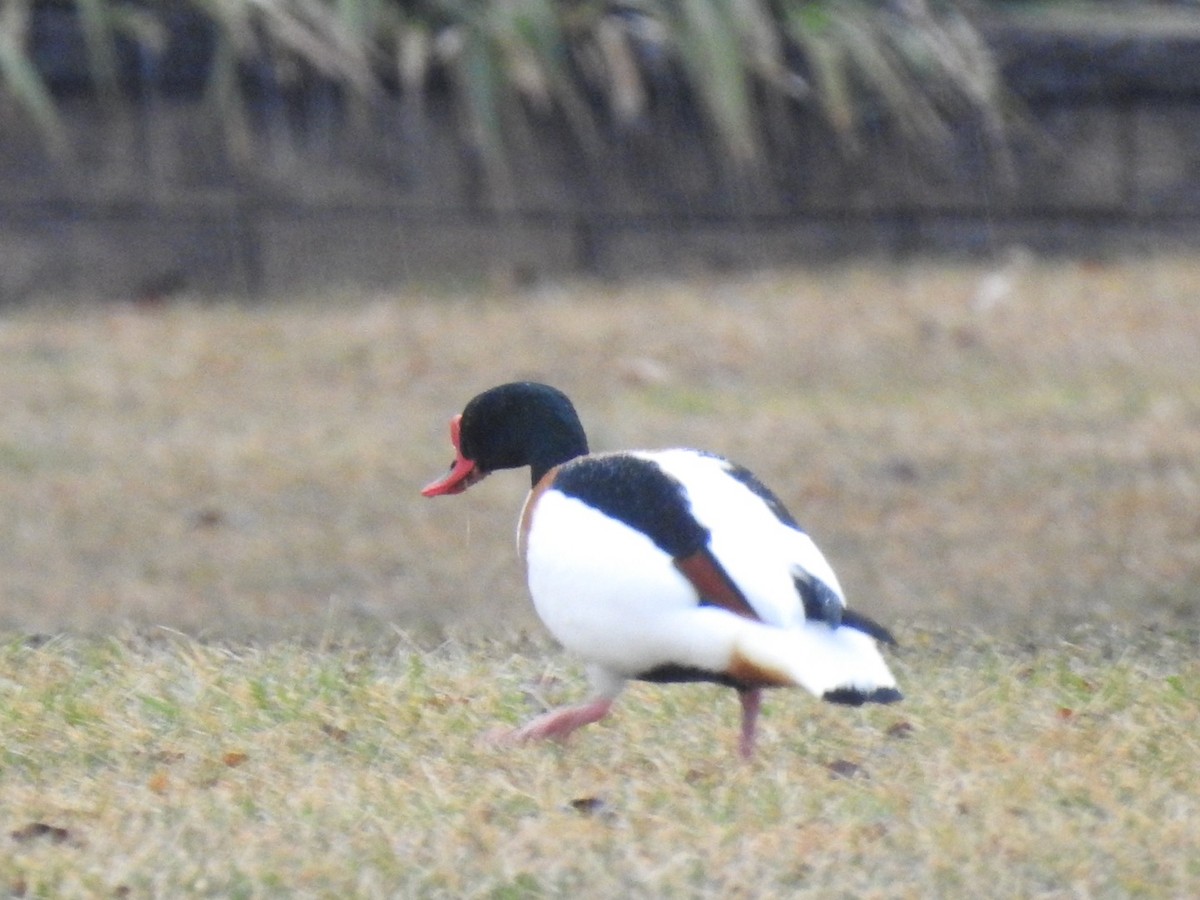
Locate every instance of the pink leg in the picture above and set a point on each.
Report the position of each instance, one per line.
(751, 700)
(559, 723)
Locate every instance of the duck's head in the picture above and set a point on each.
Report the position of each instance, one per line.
(517, 424)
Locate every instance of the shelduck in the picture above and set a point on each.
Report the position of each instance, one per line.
(664, 566)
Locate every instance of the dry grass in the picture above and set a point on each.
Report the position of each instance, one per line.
(229, 470)
(162, 767)
(250, 476)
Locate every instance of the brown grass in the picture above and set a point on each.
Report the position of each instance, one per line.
(152, 766)
(1012, 487)
(233, 470)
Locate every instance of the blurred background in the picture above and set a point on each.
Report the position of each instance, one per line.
(927, 267)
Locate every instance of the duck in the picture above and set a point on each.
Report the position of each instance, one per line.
(666, 566)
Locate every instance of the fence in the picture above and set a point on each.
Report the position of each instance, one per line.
(155, 197)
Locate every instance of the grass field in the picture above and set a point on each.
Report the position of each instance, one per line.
(138, 767)
(247, 659)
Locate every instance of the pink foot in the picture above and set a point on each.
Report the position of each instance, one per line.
(559, 723)
(751, 700)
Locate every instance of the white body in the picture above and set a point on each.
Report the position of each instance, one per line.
(608, 593)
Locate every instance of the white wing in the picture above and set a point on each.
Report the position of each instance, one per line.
(761, 553)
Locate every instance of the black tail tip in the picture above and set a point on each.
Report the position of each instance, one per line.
(857, 697)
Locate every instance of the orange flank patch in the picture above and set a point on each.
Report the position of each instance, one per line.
(535, 495)
(746, 671)
(713, 584)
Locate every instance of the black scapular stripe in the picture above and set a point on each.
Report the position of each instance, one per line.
(640, 494)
